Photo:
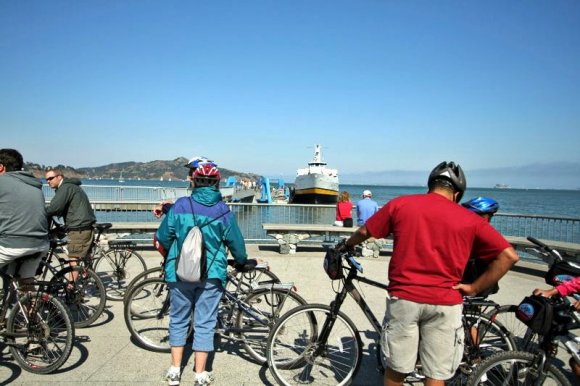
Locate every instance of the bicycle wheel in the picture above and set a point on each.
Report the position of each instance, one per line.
(85, 297)
(484, 337)
(296, 357)
(490, 335)
(267, 305)
(524, 338)
(116, 268)
(251, 280)
(514, 368)
(42, 342)
(146, 312)
(150, 273)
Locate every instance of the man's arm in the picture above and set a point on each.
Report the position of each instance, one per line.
(360, 235)
(58, 203)
(495, 271)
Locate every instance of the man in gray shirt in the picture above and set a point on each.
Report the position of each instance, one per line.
(23, 220)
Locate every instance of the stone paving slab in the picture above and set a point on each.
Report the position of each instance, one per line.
(105, 355)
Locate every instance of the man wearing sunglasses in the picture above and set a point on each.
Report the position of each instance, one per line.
(71, 202)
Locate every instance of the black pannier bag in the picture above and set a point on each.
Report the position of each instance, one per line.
(333, 264)
(536, 312)
(560, 272)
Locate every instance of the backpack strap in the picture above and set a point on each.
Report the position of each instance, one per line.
(207, 223)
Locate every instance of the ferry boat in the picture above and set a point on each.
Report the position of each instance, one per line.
(315, 184)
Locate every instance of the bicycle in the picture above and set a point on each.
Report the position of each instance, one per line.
(115, 266)
(84, 296)
(538, 367)
(526, 339)
(533, 362)
(319, 344)
(36, 326)
(260, 275)
(246, 314)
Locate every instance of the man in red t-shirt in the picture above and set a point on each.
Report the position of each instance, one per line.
(433, 239)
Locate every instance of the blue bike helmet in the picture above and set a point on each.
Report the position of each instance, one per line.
(482, 205)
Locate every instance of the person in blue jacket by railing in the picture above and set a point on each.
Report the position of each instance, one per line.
(220, 230)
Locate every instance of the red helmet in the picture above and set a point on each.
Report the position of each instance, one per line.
(207, 174)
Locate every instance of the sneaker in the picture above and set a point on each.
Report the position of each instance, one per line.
(202, 379)
(173, 377)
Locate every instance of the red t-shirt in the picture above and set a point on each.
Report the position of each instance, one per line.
(433, 239)
(343, 210)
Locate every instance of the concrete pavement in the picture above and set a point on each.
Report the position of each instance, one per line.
(105, 355)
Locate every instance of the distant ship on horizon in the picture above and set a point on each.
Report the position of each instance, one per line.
(502, 186)
(315, 184)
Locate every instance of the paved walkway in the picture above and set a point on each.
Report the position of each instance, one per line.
(105, 355)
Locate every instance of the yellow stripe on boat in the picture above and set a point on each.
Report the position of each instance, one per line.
(317, 191)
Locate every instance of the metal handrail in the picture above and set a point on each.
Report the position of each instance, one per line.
(133, 203)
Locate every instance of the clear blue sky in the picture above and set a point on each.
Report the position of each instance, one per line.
(381, 85)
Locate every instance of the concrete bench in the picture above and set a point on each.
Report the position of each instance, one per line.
(289, 235)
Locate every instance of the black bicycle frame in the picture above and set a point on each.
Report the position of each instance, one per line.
(335, 305)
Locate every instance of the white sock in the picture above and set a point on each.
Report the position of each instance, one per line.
(174, 369)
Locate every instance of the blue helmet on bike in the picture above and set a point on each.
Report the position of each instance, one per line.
(482, 205)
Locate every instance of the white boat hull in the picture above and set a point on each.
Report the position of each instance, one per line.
(315, 189)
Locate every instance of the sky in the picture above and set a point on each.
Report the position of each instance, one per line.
(381, 85)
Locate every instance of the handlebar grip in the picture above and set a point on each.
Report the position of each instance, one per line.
(537, 242)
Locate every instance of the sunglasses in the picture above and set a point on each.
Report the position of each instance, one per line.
(51, 178)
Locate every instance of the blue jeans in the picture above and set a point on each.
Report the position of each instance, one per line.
(204, 298)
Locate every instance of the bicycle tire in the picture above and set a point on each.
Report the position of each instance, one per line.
(253, 279)
(268, 305)
(43, 345)
(493, 336)
(146, 312)
(514, 368)
(85, 298)
(525, 339)
(116, 268)
(148, 274)
(292, 347)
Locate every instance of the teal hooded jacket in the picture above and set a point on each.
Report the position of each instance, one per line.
(221, 231)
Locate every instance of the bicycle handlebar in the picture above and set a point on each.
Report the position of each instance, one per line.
(538, 242)
(544, 249)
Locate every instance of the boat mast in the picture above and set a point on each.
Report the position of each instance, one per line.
(317, 156)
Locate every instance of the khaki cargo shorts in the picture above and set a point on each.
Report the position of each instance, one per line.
(80, 242)
(435, 329)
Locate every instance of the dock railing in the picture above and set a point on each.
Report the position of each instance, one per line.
(133, 204)
(250, 217)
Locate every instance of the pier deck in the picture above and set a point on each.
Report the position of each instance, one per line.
(105, 355)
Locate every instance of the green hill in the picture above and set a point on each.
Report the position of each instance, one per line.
(173, 169)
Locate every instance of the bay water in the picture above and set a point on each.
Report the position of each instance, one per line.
(545, 202)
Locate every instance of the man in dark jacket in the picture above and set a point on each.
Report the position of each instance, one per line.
(23, 221)
(71, 202)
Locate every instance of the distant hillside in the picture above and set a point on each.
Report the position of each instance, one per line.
(554, 175)
(153, 170)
